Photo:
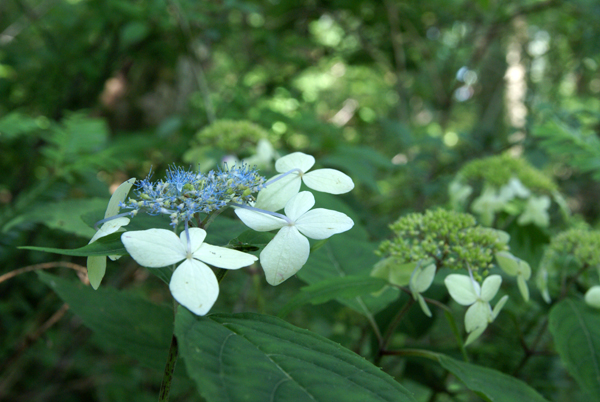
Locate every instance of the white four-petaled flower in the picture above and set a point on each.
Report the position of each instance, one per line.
(96, 265)
(289, 249)
(467, 292)
(193, 284)
(276, 195)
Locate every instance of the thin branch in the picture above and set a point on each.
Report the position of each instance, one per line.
(81, 270)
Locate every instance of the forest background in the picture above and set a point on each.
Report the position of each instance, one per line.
(399, 95)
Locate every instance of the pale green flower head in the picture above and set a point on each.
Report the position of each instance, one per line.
(487, 205)
(570, 252)
(448, 238)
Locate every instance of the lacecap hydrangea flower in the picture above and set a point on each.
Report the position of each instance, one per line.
(193, 284)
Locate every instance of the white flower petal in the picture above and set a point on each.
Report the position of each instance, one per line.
(422, 278)
(223, 257)
(197, 237)
(592, 297)
(154, 248)
(194, 286)
(474, 335)
(259, 221)
(498, 307)
(423, 305)
(96, 268)
(328, 181)
(284, 255)
(299, 204)
(523, 287)
(296, 160)
(477, 316)
(490, 287)
(461, 289)
(117, 197)
(110, 227)
(322, 223)
(277, 194)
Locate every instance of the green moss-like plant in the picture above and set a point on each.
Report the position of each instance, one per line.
(498, 170)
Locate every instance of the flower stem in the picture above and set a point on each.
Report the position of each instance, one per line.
(165, 386)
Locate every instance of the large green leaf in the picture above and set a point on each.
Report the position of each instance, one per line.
(333, 288)
(343, 256)
(490, 384)
(253, 357)
(107, 245)
(123, 320)
(576, 331)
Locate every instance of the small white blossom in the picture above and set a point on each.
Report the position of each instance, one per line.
(289, 249)
(96, 265)
(487, 204)
(193, 284)
(282, 187)
(536, 212)
(467, 292)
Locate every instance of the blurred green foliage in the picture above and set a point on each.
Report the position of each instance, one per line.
(399, 95)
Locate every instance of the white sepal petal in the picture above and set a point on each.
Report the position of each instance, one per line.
(296, 160)
(197, 237)
(110, 227)
(474, 335)
(422, 278)
(478, 315)
(154, 248)
(461, 289)
(277, 194)
(322, 223)
(523, 288)
(490, 287)
(299, 204)
(96, 268)
(498, 307)
(284, 255)
(259, 221)
(423, 305)
(194, 286)
(592, 297)
(223, 257)
(117, 197)
(328, 181)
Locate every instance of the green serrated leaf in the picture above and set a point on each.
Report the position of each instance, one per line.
(491, 385)
(253, 357)
(575, 328)
(333, 288)
(123, 320)
(107, 245)
(346, 256)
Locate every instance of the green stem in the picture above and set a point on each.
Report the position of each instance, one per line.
(165, 386)
(221, 274)
(390, 330)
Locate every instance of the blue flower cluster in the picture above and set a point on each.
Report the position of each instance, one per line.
(185, 193)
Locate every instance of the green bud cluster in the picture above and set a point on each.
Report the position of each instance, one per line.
(231, 135)
(581, 244)
(452, 239)
(498, 170)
